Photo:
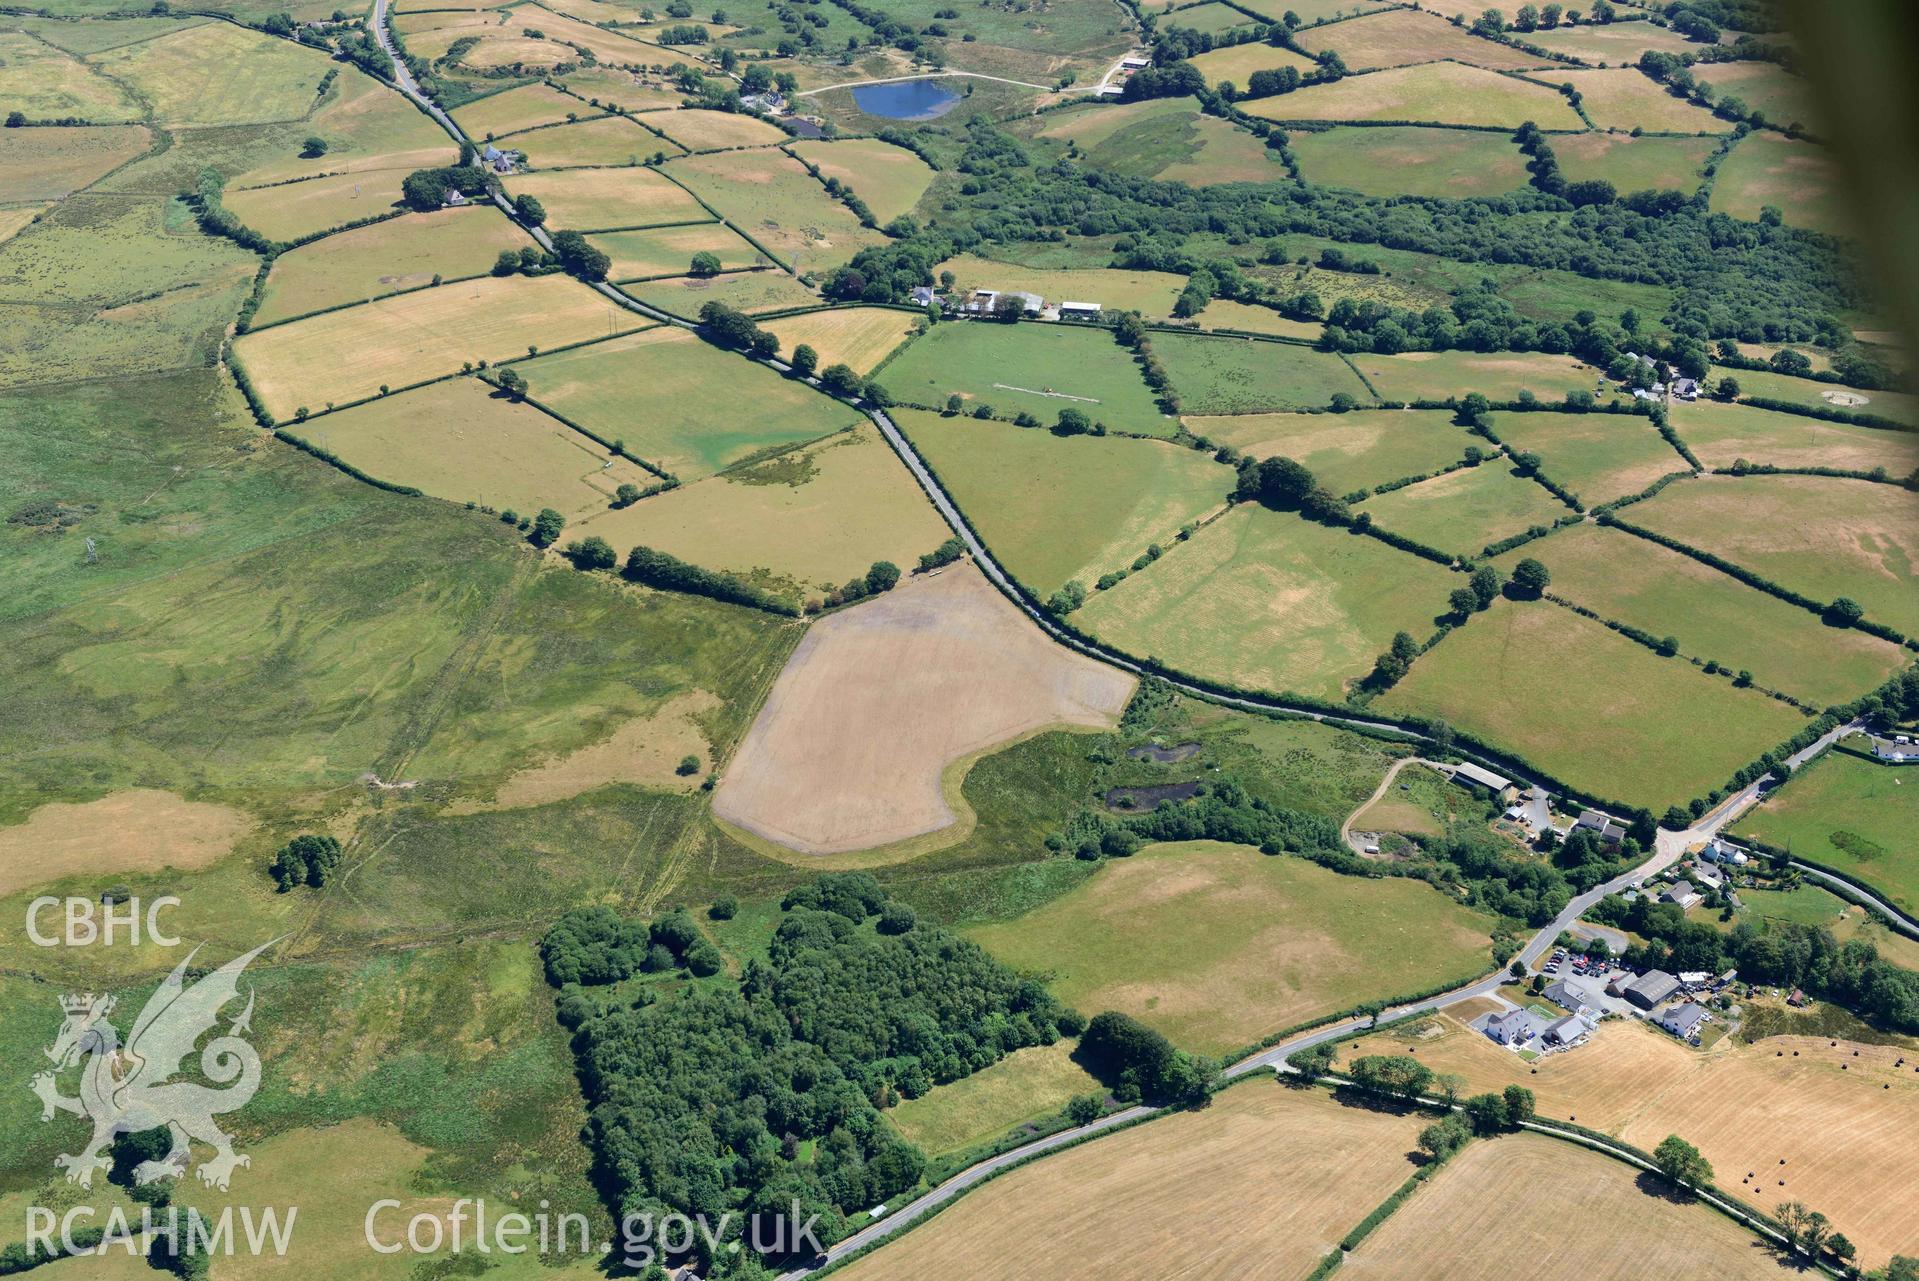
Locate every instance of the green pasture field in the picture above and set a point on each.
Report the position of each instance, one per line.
(1210, 17)
(1225, 314)
(1784, 98)
(1071, 27)
(759, 26)
(1625, 98)
(1900, 406)
(1237, 63)
(84, 38)
(528, 106)
(607, 140)
(1270, 602)
(1125, 940)
(1347, 452)
(1151, 293)
(1243, 375)
(1466, 510)
(403, 253)
(1027, 1085)
(655, 391)
(615, 88)
(220, 74)
(1586, 705)
(594, 199)
(1796, 178)
(1438, 375)
(1599, 457)
(1055, 508)
(1853, 815)
(45, 83)
(1446, 93)
(664, 251)
(48, 163)
(811, 518)
(1807, 904)
(768, 195)
(1040, 369)
(1313, 10)
(1403, 37)
(1388, 161)
(1714, 616)
(889, 179)
(1722, 434)
(748, 291)
(1616, 43)
(366, 126)
(1822, 537)
(1634, 164)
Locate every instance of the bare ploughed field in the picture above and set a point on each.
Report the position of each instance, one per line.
(878, 701)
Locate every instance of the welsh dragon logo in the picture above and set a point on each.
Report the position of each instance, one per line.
(125, 1089)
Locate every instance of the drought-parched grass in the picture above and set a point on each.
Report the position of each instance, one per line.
(1237, 63)
(220, 74)
(1055, 508)
(84, 38)
(1313, 10)
(1168, 139)
(1468, 509)
(889, 179)
(1388, 161)
(1721, 434)
(1444, 93)
(700, 130)
(1151, 293)
(748, 291)
(666, 251)
(1590, 707)
(1851, 814)
(1900, 406)
(1039, 369)
(1400, 37)
(768, 195)
(111, 254)
(499, 114)
(1244, 376)
(1347, 452)
(45, 83)
(593, 199)
(1616, 43)
(609, 140)
(1026, 1085)
(656, 391)
(1821, 537)
(48, 163)
(296, 209)
(1599, 457)
(349, 354)
(1224, 313)
(1634, 164)
(1630, 580)
(1271, 602)
(1626, 98)
(1437, 375)
(810, 518)
(1219, 945)
(366, 126)
(385, 258)
(1784, 98)
(858, 337)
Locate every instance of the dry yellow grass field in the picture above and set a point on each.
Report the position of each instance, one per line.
(1151, 293)
(770, 197)
(1625, 98)
(1238, 62)
(1026, 1085)
(48, 163)
(350, 354)
(367, 126)
(295, 209)
(668, 251)
(1722, 434)
(700, 130)
(889, 179)
(400, 253)
(499, 114)
(878, 701)
(12, 220)
(602, 141)
(591, 199)
(48, 84)
(857, 336)
(1535, 1207)
(1399, 37)
(646, 750)
(134, 831)
(1223, 313)
(1261, 1184)
(1437, 92)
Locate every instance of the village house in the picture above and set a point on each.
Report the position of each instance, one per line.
(1685, 1021)
(1514, 1027)
(1898, 750)
(1604, 826)
(1576, 995)
(1683, 894)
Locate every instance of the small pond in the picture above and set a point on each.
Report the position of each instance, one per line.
(905, 99)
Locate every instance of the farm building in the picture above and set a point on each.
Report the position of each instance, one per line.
(1684, 1021)
(1079, 310)
(1471, 775)
(1604, 826)
(1686, 388)
(1650, 988)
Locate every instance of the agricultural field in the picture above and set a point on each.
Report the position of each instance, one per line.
(1441, 375)
(219, 74)
(1851, 814)
(806, 520)
(1785, 99)
(1714, 616)
(1245, 376)
(366, 128)
(771, 198)
(1599, 457)
(1899, 406)
(858, 337)
(752, 292)
(1314, 11)
(1389, 161)
(698, 130)
(1721, 434)
(1521, 672)
(1166, 139)
(837, 762)
(499, 114)
(1293, 1170)
(1625, 98)
(1225, 314)
(889, 179)
(652, 390)
(1209, 16)
(1615, 44)
(1346, 452)
(1445, 93)
(45, 83)
(1467, 509)
(1634, 164)
(54, 161)
(1401, 37)
(1798, 179)
(292, 210)
(388, 257)
(1269, 601)
(1018, 368)
(1150, 293)
(597, 200)
(1822, 537)
(1026, 1085)
(1054, 508)
(605, 141)
(355, 352)
(668, 251)
(1285, 942)
(1235, 64)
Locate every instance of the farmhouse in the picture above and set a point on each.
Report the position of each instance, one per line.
(1684, 1021)
(497, 160)
(1514, 1027)
(1650, 988)
(1604, 826)
(1721, 852)
(1686, 388)
(1898, 751)
(1683, 894)
(923, 295)
(1575, 995)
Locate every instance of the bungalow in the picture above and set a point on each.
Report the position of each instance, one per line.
(452, 198)
(1650, 988)
(1895, 750)
(1684, 1021)
(1604, 826)
(1683, 894)
(1570, 1030)
(1514, 1027)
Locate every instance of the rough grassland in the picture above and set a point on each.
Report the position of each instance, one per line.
(699, 130)
(1291, 1171)
(1271, 602)
(1650, 731)
(851, 748)
(1783, 97)
(1401, 36)
(1035, 368)
(1243, 375)
(1822, 537)
(654, 390)
(1387, 161)
(462, 441)
(1618, 43)
(48, 163)
(1026, 1085)
(889, 179)
(749, 291)
(1856, 815)
(46, 84)
(1599, 457)
(1284, 941)
(1797, 178)
(769, 196)
(1347, 452)
(667, 251)
(1631, 580)
(589, 199)
(299, 209)
(1439, 92)
(1720, 435)
(220, 74)
(1902, 407)
(814, 517)
(1497, 1211)
(1634, 164)
(1436, 375)
(1224, 313)
(1237, 63)
(1167, 139)
(1468, 509)
(368, 262)
(140, 830)
(1151, 293)
(1054, 508)
(609, 140)
(366, 125)
(349, 354)
(1311, 10)
(858, 337)
(499, 114)
(1625, 98)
